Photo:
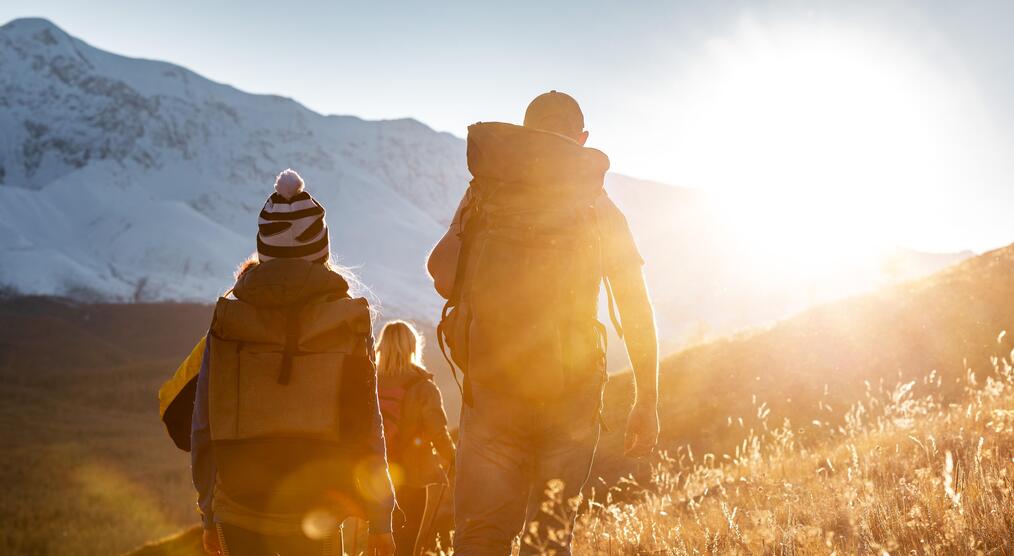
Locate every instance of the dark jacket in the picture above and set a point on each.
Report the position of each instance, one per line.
(275, 283)
(427, 444)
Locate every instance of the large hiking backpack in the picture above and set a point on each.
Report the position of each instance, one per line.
(522, 317)
(288, 389)
(392, 409)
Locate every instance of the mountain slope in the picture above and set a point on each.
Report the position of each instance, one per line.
(136, 180)
(814, 365)
(140, 180)
(945, 323)
(711, 276)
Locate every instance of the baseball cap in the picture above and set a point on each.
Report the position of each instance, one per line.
(557, 112)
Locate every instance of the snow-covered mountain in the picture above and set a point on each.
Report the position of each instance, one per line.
(131, 179)
(135, 179)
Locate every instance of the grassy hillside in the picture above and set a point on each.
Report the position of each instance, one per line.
(89, 470)
(878, 424)
(907, 475)
(88, 467)
(814, 365)
(911, 475)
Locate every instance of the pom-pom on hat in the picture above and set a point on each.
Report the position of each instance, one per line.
(289, 183)
(291, 224)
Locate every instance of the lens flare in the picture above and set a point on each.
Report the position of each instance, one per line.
(319, 524)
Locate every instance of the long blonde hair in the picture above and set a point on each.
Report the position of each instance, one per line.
(399, 348)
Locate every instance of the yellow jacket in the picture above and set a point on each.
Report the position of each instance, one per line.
(176, 397)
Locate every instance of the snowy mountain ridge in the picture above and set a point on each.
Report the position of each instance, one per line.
(132, 179)
(136, 180)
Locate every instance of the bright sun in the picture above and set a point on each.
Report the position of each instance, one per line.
(818, 142)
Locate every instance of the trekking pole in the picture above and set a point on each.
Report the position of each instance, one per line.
(351, 536)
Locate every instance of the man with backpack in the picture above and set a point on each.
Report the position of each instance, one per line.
(521, 267)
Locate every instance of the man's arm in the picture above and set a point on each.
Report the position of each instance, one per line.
(641, 340)
(442, 263)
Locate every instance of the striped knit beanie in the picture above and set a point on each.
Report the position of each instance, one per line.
(291, 224)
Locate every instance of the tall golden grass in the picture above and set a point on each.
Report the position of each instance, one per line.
(904, 474)
(901, 471)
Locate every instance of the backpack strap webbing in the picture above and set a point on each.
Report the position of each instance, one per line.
(466, 232)
(405, 388)
(412, 382)
(610, 298)
(611, 301)
(292, 333)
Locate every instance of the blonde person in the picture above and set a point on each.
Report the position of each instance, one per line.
(419, 447)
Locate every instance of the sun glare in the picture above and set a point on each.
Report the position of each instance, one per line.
(818, 143)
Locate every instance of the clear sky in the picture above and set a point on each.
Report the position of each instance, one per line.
(885, 118)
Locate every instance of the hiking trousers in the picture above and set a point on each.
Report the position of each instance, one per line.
(412, 501)
(508, 451)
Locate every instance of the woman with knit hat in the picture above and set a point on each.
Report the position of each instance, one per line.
(286, 430)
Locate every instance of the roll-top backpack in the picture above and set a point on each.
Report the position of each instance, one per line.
(290, 381)
(522, 317)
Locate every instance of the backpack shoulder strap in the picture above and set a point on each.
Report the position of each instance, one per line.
(292, 333)
(610, 299)
(468, 226)
(413, 381)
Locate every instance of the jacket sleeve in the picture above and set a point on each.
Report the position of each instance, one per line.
(380, 490)
(202, 460)
(434, 422)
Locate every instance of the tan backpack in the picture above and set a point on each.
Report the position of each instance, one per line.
(289, 386)
(522, 317)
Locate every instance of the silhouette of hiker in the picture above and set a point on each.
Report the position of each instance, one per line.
(419, 446)
(286, 430)
(521, 267)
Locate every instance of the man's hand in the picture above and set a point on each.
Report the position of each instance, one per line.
(380, 544)
(210, 540)
(642, 429)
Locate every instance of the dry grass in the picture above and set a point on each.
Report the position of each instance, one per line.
(904, 474)
(89, 470)
(87, 467)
